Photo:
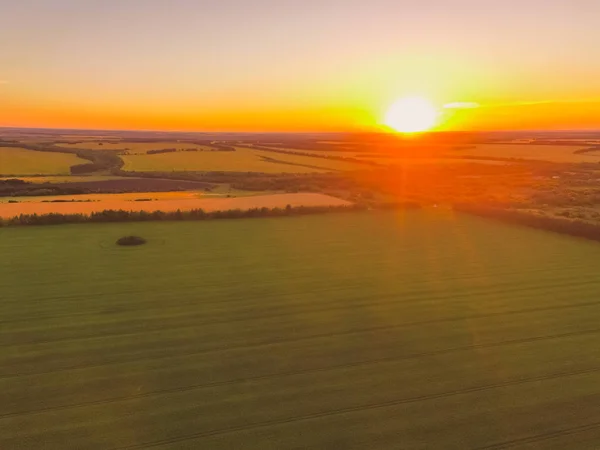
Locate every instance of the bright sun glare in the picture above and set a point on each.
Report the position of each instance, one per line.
(411, 115)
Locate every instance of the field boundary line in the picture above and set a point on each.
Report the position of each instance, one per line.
(353, 409)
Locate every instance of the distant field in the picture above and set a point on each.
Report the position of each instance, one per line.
(166, 201)
(106, 197)
(552, 153)
(19, 161)
(389, 159)
(343, 153)
(388, 331)
(242, 160)
(132, 146)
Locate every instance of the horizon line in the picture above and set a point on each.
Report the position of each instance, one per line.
(376, 131)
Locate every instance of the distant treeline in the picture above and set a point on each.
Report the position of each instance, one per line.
(572, 227)
(15, 187)
(214, 148)
(259, 181)
(311, 145)
(587, 150)
(222, 147)
(100, 161)
(108, 216)
(169, 150)
(558, 142)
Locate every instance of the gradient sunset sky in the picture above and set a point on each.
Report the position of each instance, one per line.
(276, 65)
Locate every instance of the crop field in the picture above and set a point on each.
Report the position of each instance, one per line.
(242, 160)
(20, 161)
(157, 201)
(552, 153)
(380, 330)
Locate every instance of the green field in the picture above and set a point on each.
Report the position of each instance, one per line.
(346, 331)
(242, 160)
(20, 161)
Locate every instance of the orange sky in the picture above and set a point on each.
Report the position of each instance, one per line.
(276, 66)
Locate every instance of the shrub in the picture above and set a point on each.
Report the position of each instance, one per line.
(131, 240)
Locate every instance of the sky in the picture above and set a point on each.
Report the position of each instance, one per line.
(297, 65)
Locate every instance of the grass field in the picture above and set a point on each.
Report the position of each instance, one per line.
(242, 160)
(552, 153)
(353, 331)
(20, 161)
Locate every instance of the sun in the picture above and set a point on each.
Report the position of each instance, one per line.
(411, 115)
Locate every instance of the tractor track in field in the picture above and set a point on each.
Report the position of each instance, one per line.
(312, 311)
(567, 281)
(92, 295)
(541, 437)
(306, 371)
(305, 338)
(343, 304)
(367, 407)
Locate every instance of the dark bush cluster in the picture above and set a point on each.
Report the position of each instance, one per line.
(131, 241)
(164, 150)
(222, 148)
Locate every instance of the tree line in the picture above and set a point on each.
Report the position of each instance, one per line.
(109, 215)
(572, 227)
(214, 148)
(259, 181)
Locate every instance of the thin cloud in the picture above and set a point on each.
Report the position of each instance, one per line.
(3, 81)
(461, 105)
(540, 102)
(523, 103)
